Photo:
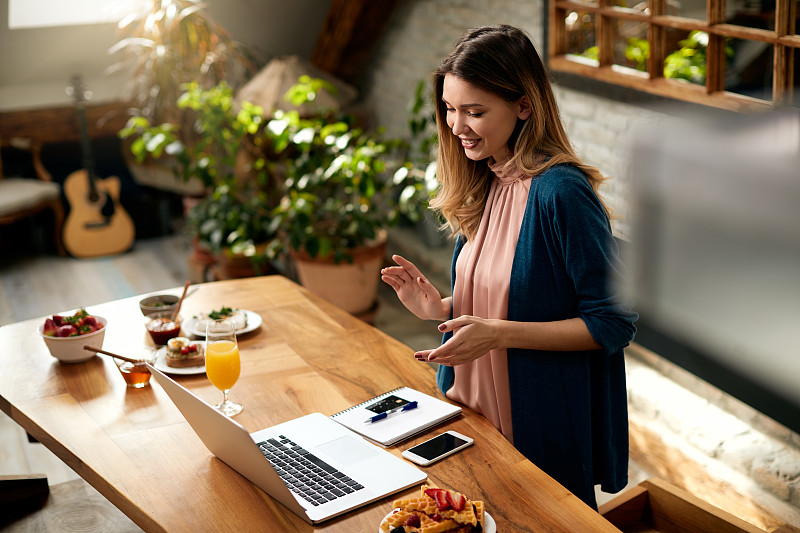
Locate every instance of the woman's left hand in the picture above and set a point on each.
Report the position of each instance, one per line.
(473, 337)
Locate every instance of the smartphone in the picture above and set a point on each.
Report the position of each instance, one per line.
(439, 447)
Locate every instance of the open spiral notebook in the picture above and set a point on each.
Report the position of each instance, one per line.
(399, 424)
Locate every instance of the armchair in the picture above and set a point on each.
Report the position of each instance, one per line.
(21, 197)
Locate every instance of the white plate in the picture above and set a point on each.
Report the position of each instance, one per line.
(161, 363)
(489, 525)
(253, 322)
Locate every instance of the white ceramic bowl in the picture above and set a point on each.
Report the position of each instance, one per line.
(70, 349)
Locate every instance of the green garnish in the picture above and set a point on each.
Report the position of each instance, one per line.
(222, 313)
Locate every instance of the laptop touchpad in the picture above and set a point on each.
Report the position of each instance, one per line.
(346, 450)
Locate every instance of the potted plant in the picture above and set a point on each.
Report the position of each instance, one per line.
(233, 222)
(422, 156)
(236, 227)
(344, 187)
(163, 45)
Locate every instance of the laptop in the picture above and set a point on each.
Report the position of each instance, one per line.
(314, 466)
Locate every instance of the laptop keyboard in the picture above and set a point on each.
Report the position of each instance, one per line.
(308, 476)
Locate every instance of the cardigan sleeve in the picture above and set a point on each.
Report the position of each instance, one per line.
(591, 261)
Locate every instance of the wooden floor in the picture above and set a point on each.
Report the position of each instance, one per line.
(37, 286)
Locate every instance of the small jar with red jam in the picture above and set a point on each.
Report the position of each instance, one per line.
(162, 327)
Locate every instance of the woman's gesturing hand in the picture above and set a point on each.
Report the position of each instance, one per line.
(415, 291)
(473, 337)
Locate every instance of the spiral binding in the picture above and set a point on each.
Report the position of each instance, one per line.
(371, 400)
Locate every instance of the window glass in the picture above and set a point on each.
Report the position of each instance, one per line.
(751, 13)
(795, 25)
(635, 6)
(749, 69)
(693, 9)
(796, 83)
(631, 48)
(686, 56)
(581, 34)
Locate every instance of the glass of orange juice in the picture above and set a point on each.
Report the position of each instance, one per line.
(222, 362)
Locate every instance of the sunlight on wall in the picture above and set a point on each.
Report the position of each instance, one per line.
(48, 13)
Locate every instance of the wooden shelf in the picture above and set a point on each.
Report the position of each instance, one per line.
(60, 124)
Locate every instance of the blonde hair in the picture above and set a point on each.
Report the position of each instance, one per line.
(501, 60)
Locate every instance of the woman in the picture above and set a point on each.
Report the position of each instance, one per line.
(533, 334)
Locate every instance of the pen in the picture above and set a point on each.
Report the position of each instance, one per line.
(407, 407)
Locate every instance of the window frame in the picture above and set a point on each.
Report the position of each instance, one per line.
(784, 40)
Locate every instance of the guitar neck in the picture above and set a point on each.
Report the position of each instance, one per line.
(86, 146)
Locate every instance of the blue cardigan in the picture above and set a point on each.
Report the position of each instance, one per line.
(568, 409)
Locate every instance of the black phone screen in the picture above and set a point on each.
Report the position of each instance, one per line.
(437, 446)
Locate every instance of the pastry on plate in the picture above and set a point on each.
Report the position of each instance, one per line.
(182, 353)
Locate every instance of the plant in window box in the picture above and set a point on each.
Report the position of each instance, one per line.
(689, 61)
(344, 187)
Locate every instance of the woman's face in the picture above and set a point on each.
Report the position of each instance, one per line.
(481, 120)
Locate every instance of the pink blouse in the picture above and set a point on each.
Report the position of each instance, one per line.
(483, 272)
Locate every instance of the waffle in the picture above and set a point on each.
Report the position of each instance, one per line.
(479, 508)
(427, 524)
(450, 520)
(424, 505)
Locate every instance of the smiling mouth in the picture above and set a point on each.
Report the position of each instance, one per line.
(469, 143)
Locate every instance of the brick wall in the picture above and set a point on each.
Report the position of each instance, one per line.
(757, 449)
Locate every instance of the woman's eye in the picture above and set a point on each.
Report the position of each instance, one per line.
(449, 109)
(473, 114)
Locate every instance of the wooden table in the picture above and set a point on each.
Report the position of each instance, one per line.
(137, 450)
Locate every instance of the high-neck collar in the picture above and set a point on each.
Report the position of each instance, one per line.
(508, 175)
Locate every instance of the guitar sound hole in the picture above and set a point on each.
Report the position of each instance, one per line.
(108, 207)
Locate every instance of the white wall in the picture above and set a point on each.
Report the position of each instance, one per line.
(36, 64)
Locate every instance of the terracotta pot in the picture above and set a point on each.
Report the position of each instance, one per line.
(233, 266)
(200, 263)
(351, 286)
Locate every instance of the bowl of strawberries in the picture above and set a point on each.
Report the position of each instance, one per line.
(66, 335)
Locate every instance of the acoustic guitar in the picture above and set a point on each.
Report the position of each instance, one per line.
(97, 224)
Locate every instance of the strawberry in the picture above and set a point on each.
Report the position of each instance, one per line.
(49, 328)
(66, 331)
(456, 500)
(440, 496)
(80, 323)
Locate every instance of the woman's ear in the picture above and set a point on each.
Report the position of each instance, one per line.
(524, 108)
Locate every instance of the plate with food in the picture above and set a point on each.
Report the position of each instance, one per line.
(437, 509)
(181, 356)
(244, 321)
